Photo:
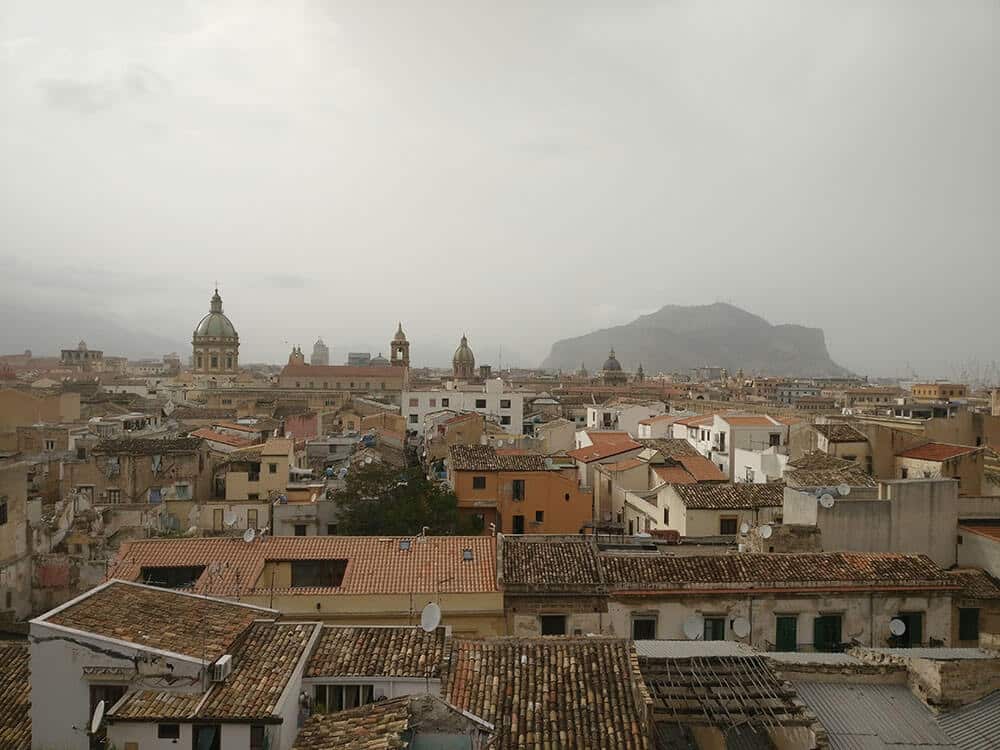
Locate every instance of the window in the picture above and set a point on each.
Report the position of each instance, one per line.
(413, 418)
(229, 363)
(155, 494)
(445, 402)
(552, 624)
(539, 516)
(505, 419)
(252, 495)
(300, 529)
(749, 475)
(914, 633)
(328, 699)
(206, 737)
(258, 737)
(171, 577)
(331, 529)
(968, 624)
(904, 473)
(517, 489)
(252, 518)
(182, 491)
(168, 731)
(479, 483)
(322, 573)
(199, 361)
(826, 633)
(215, 361)
(414, 402)
(644, 628)
(774, 439)
(786, 633)
(715, 628)
(50, 445)
(480, 403)
(272, 468)
(727, 525)
(517, 524)
(505, 403)
(114, 495)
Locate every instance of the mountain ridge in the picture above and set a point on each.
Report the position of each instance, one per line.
(680, 337)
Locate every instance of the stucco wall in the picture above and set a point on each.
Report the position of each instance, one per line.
(978, 551)
(865, 616)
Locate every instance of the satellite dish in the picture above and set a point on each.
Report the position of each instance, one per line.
(192, 531)
(826, 500)
(766, 531)
(430, 617)
(897, 627)
(744, 527)
(95, 723)
(249, 535)
(844, 490)
(229, 518)
(741, 626)
(694, 627)
(368, 459)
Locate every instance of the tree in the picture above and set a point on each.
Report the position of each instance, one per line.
(382, 500)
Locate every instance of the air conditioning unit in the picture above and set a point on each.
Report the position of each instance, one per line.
(222, 668)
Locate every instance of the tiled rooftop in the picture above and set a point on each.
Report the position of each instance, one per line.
(376, 726)
(623, 465)
(840, 432)
(158, 618)
(148, 446)
(367, 651)
(792, 570)
(375, 565)
(538, 562)
(701, 468)
(207, 433)
(486, 458)
(937, 451)
(15, 697)
(605, 445)
(345, 371)
(547, 693)
(149, 705)
(731, 496)
(853, 476)
(819, 460)
(975, 583)
(674, 475)
(670, 447)
(263, 665)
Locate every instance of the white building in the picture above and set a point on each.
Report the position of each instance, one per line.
(493, 400)
(717, 436)
(662, 425)
(622, 416)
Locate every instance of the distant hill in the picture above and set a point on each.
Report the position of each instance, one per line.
(45, 331)
(678, 338)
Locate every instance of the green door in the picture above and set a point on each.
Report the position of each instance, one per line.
(787, 633)
(826, 633)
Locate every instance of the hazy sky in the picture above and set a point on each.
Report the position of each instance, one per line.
(524, 171)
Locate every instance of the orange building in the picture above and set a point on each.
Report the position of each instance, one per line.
(518, 492)
(939, 391)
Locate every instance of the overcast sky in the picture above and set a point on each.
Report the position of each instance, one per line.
(522, 171)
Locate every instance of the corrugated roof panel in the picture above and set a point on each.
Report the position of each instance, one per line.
(852, 713)
(976, 726)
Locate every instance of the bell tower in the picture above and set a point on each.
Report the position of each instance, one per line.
(399, 349)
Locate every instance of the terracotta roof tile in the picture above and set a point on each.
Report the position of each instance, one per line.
(545, 693)
(674, 475)
(543, 562)
(624, 465)
(801, 570)
(15, 697)
(699, 420)
(343, 371)
(840, 432)
(487, 458)
(149, 446)
(819, 460)
(701, 468)
(605, 445)
(149, 705)
(264, 663)
(207, 433)
(852, 476)
(377, 726)
(670, 447)
(378, 652)
(937, 451)
(375, 565)
(731, 496)
(159, 618)
(976, 583)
